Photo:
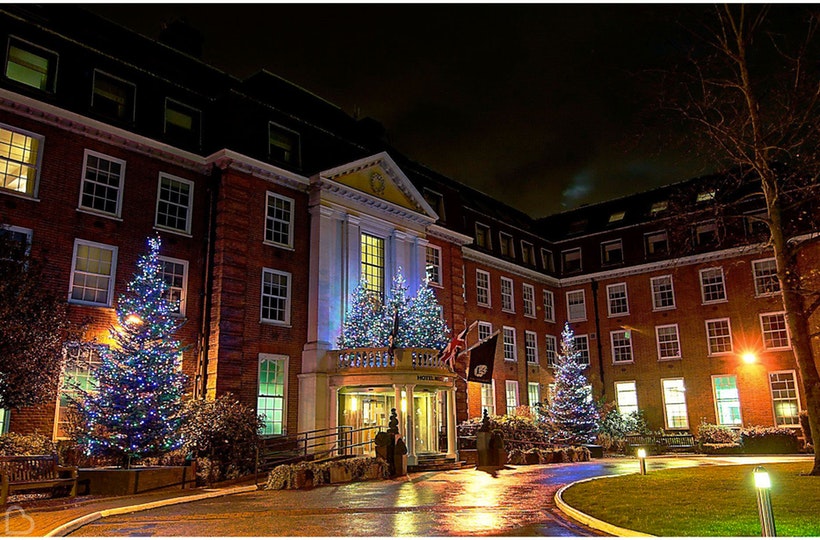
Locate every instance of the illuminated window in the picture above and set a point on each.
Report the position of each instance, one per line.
(571, 260)
(512, 396)
(482, 236)
(551, 350)
(270, 402)
(626, 394)
(658, 207)
(78, 376)
(674, 404)
(616, 217)
(576, 306)
(712, 286)
(621, 346)
(283, 145)
(102, 183)
(509, 344)
(485, 330)
(785, 400)
(507, 301)
(765, 276)
(92, 273)
(775, 331)
(719, 336)
(373, 264)
(663, 293)
(113, 97)
(175, 197)
(279, 220)
(582, 347)
(531, 346)
(19, 160)
(612, 252)
(529, 300)
(727, 400)
(534, 393)
(31, 65)
(482, 288)
(433, 259)
(549, 306)
(507, 248)
(668, 342)
(174, 274)
(275, 296)
(656, 244)
(488, 398)
(707, 195)
(617, 302)
(182, 123)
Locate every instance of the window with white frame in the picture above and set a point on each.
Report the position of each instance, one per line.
(93, 269)
(275, 296)
(482, 236)
(482, 288)
(78, 376)
(547, 260)
(765, 276)
(102, 183)
(279, 220)
(582, 347)
(785, 399)
(372, 264)
(174, 199)
(551, 350)
(775, 331)
(531, 346)
(271, 398)
(576, 306)
(612, 252)
(626, 395)
(433, 264)
(674, 404)
(712, 286)
(509, 344)
(31, 65)
(534, 393)
(485, 330)
(20, 159)
(529, 300)
(668, 341)
(571, 260)
(727, 400)
(663, 293)
(617, 301)
(283, 145)
(507, 301)
(113, 97)
(719, 336)
(506, 243)
(15, 243)
(512, 396)
(549, 306)
(174, 273)
(488, 398)
(527, 253)
(656, 244)
(621, 346)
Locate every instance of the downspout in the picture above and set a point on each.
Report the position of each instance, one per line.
(598, 333)
(200, 388)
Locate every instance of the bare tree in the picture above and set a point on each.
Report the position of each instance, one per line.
(751, 93)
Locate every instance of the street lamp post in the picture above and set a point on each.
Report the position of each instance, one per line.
(642, 460)
(763, 485)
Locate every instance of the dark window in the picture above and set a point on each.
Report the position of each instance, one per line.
(656, 244)
(571, 260)
(436, 202)
(482, 236)
(612, 252)
(507, 249)
(182, 123)
(283, 145)
(113, 97)
(705, 233)
(547, 260)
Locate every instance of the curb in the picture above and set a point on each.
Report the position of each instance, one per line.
(588, 520)
(74, 524)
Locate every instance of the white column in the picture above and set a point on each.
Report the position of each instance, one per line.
(420, 256)
(399, 415)
(352, 260)
(410, 439)
(452, 446)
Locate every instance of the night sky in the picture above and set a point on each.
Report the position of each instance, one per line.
(544, 107)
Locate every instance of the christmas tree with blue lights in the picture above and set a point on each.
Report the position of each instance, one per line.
(572, 412)
(362, 321)
(133, 409)
(425, 327)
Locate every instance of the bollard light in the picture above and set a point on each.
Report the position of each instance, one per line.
(763, 485)
(642, 459)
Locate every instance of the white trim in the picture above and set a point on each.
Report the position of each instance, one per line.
(508, 385)
(585, 338)
(437, 249)
(112, 277)
(554, 339)
(658, 342)
(291, 223)
(504, 343)
(580, 259)
(285, 359)
(652, 292)
(534, 336)
(685, 403)
(796, 393)
(612, 345)
(486, 274)
(715, 400)
(524, 288)
(120, 189)
(763, 332)
(570, 318)
(544, 294)
(709, 337)
(38, 165)
(511, 283)
(184, 296)
(442, 233)
(722, 283)
(609, 300)
(755, 277)
(634, 388)
(288, 299)
(189, 217)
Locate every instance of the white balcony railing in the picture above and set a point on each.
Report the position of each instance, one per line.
(379, 359)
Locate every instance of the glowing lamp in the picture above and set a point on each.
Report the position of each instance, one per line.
(762, 480)
(354, 404)
(749, 357)
(641, 453)
(133, 319)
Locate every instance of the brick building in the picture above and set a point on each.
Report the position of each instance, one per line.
(272, 203)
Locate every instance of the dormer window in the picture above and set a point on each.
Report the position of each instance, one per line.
(283, 145)
(708, 195)
(705, 233)
(658, 207)
(482, 236)
(435, 200)
(31, 65)
(507, 248)
(577, 227)
(182, 123)
(527, 253)
(616, 217)
(113, 97)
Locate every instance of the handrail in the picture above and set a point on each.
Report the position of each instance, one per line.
(382, 359)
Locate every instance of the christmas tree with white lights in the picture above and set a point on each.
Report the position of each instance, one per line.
(362, 320)
(425, 328)
(572, 412)
(133, 410)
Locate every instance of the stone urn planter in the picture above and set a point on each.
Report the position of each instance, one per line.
(114, 481)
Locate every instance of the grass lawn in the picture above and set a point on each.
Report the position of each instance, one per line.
(703, 501)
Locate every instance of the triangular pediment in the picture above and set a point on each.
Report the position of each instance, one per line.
(378, 177)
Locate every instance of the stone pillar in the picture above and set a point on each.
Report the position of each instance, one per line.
(399, 415)
(452, 436)
(410, 437)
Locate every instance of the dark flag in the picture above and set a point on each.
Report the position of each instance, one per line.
(482, 357)
(391, 339)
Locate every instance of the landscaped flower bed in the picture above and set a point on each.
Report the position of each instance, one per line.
(311, 474)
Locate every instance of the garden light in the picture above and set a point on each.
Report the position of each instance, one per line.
(764, 501)
(642, 459)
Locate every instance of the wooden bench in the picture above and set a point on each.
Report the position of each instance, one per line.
(655, 444)
(23, 473)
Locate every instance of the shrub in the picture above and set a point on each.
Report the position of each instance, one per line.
(768, 440)
(804, 423)
(714, 434)
(222, 435)
(615, 426)
(15, 444)
(297, 475)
